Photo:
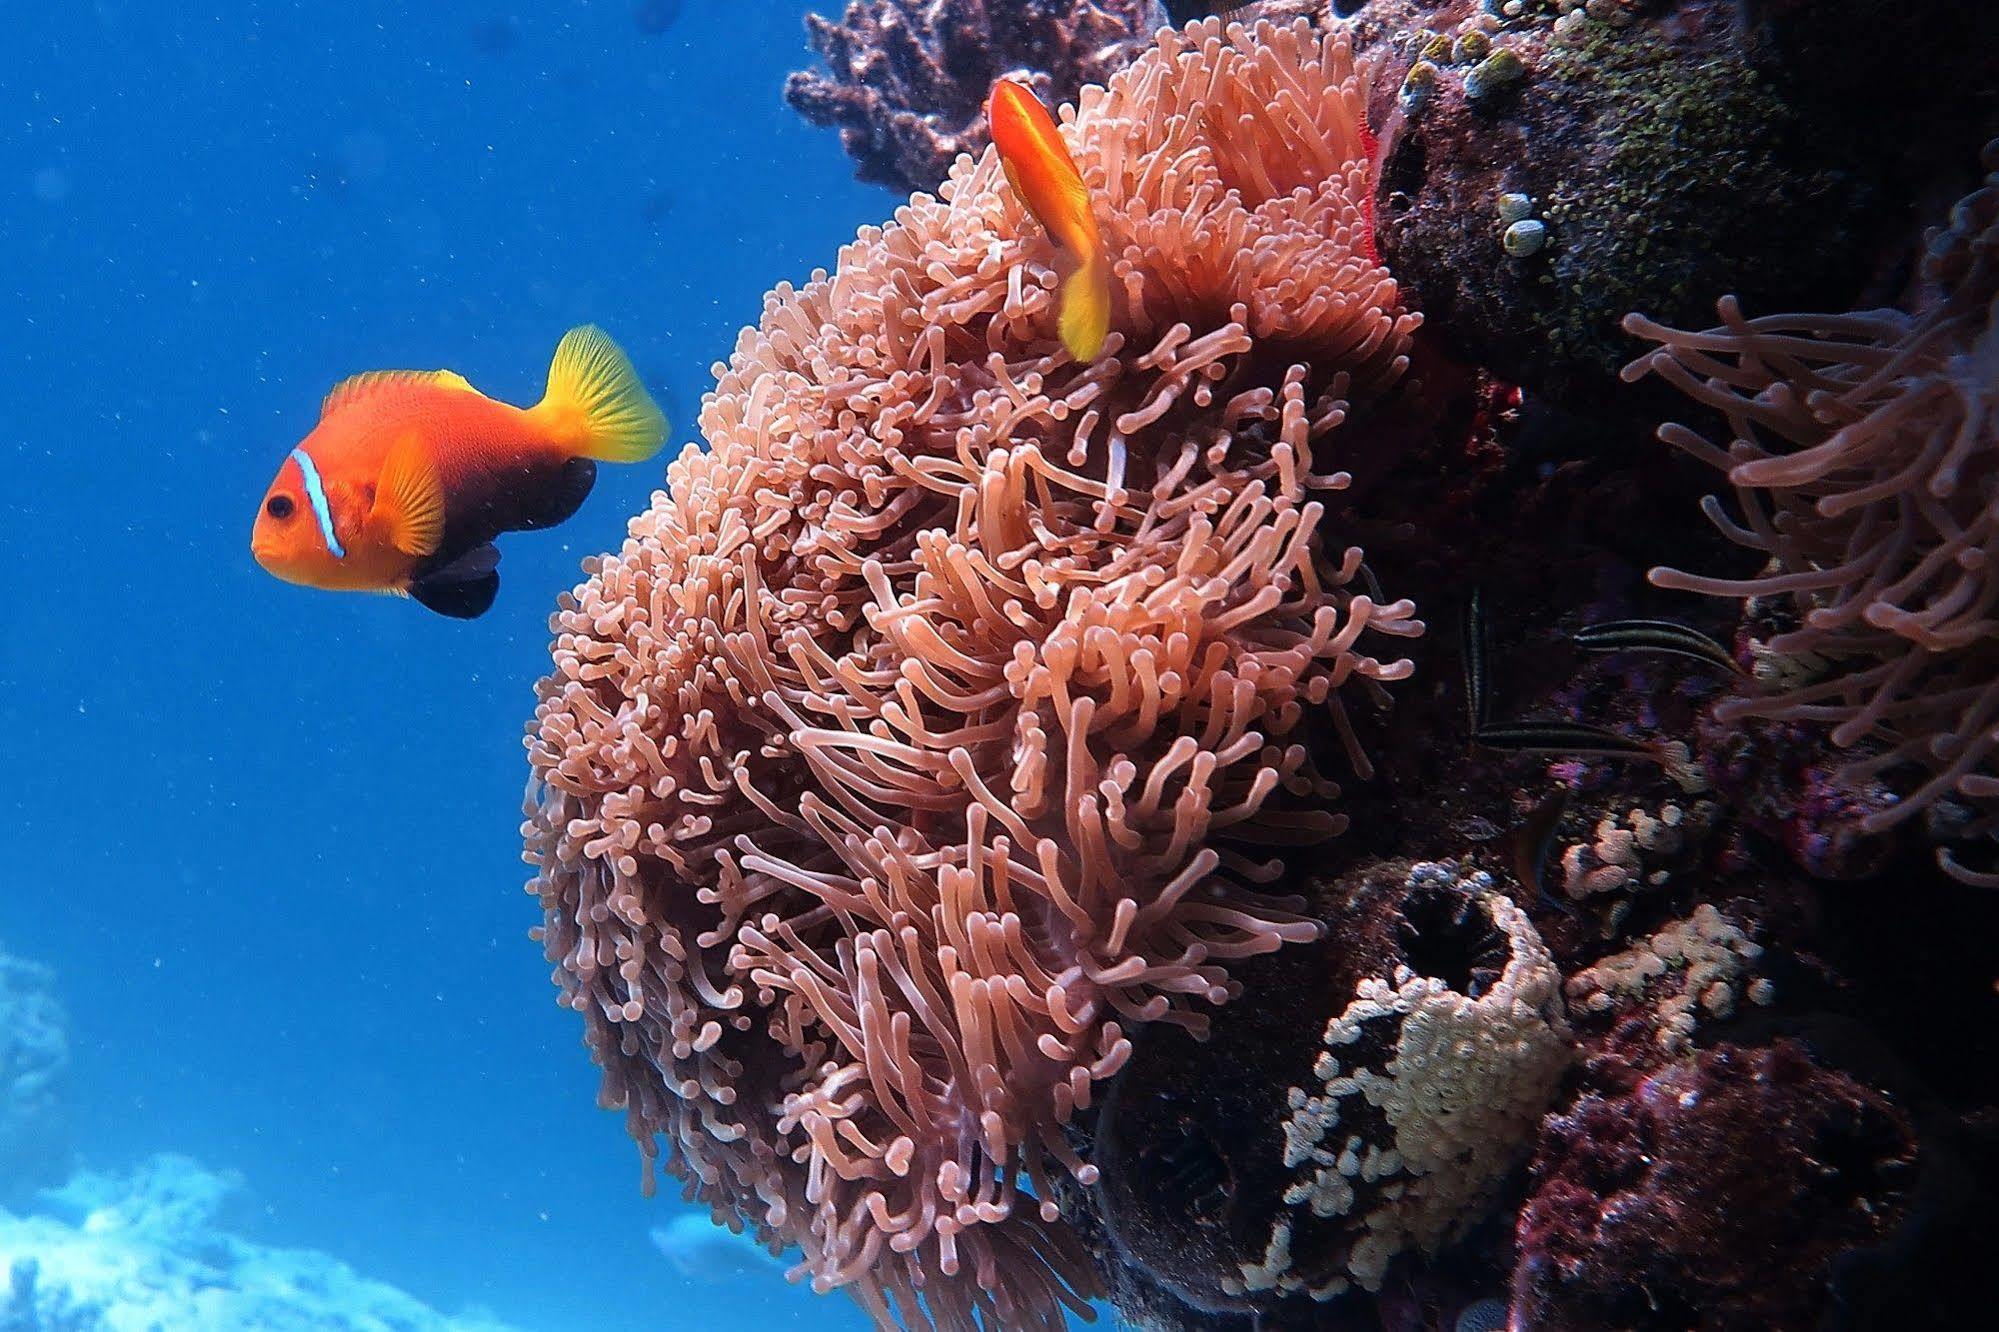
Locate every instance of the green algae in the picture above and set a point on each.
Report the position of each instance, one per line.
(1696, 190)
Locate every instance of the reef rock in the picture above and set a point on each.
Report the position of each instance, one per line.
(1661, 1208)
(1665, 151)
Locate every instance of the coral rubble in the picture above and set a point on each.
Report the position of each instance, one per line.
(906, 80)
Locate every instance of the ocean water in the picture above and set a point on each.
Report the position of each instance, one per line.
(265, 839)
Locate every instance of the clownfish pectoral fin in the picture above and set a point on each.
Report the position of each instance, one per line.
(409, 502)
(354, 388)
(463, 589)
(595, 406)
(1085, 318)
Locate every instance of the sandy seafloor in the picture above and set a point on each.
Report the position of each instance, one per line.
(265, 840)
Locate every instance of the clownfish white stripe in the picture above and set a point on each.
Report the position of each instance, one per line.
(321, 510)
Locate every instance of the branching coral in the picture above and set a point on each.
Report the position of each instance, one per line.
(1865, 458)
(907, 79)
(930, 728)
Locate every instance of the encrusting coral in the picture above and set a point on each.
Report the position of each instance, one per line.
(906, 80)
(1660, 1204)
(1425, 1091)
(1864, 453)
(1293, 1158)
(931, 729)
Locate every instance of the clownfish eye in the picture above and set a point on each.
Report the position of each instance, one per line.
(279, 506)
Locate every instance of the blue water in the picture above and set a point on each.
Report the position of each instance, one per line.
(267, 837)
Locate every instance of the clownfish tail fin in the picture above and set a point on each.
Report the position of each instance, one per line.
(1085, 319)
(595, 406)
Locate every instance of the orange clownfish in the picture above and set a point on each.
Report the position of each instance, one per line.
(1042, 173)
(410, 474)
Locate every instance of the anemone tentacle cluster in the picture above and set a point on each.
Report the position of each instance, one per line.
(934, 727)
(1864, 453)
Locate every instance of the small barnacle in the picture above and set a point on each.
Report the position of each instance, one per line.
(1494, 74)
(1432, 46)
(1472, 46)
(1514, 208)
(1418, 87)
(1525, 237)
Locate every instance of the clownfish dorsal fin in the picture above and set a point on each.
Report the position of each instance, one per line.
(355, 388)
(409, 501)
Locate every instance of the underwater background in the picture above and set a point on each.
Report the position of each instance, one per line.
(1356, 690)
(266, 840)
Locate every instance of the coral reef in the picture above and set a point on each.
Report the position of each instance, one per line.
(1864, 454)
(34, 1060)
(935, 798)
(1659, 1206)
(1389, 1131)
(1691, 969)
(906, 80)
(1671, 150)
(934, 728)
(113, 1253)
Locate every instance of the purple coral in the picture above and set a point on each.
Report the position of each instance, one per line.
(1660, 1207)
(906, 80)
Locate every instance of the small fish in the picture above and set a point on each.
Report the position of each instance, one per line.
(1531, 736)
(1478, 706)
(1044, 176)
(1656, 636)
(410, 474)
(1531, 843)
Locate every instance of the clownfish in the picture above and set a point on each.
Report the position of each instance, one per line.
(410, 474)
(1044, 176)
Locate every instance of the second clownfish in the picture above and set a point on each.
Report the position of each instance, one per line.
(410, 474)
(1042, 173)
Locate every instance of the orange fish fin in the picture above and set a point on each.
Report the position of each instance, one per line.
(1013, 180)
(409, 501)
(355, 388)
(1085, 318)
(595, 406)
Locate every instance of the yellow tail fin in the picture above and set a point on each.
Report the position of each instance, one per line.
(595, 405)
(1085, 318)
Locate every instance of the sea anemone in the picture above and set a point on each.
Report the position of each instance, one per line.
(1865, 458)
(937, 723)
